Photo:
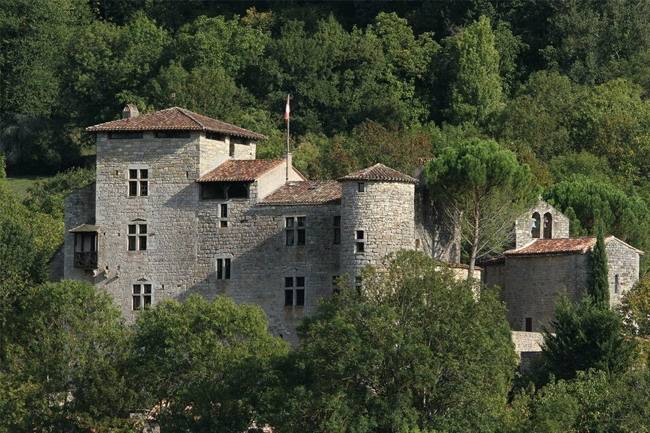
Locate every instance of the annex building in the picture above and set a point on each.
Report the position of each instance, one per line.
(182, 206)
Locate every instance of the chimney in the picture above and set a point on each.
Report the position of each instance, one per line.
(129, 111)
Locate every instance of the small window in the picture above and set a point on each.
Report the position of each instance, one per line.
(295, 231)
(223, 269)
(337, 229)
(358, 283)
(172, 134)
(231, 149)
(360, 244)
(223, 215)
(137, 237)
(138, 182)
(142, 295)
(124, 135)
(294, 291)
(529, 324)
(335, 284)
(361, 187)
(617, 284)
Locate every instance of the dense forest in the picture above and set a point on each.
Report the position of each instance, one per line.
(561, 87)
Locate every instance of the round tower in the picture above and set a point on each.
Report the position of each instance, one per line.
(377, 217)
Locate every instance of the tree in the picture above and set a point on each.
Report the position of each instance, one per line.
(635, 309)
(475, 89)
(64, 351)
(48, 195)
(412, 350)
(486, 189)
(599, 281)
(205, 363)
(585, 336)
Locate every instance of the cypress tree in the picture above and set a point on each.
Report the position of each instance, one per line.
(599, 285)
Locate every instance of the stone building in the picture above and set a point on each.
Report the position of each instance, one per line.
(181, 206)
(546, 264)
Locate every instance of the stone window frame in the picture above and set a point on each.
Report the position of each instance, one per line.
(360, 242)
(223, 266)
(547, 231)
(136, 183)
(137, 236)
(144, 298)
(296, 287)
(295, 235)
(536, 225)
(224, 212)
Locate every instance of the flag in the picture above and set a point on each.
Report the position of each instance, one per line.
(287, 110)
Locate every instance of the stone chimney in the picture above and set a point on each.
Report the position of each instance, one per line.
(129, 111)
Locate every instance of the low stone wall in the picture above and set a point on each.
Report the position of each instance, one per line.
(528, 346)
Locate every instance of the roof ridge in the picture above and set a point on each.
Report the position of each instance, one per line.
(187, 113)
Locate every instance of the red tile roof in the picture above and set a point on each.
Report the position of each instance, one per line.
(379, 172)
(243, 170)
(310, 192)
(555, 246)
(174, 119)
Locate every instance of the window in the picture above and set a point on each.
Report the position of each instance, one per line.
(124, 135)
(138, 182)
(361, 187)
(231, 149)
(294, 231)
(294, 291)
(137, 236)
(215, 136)
(529, 324)
(172, 134)
(223, 215)
(85, 250)
(360, 244)
(224, 190)
(548, 225)
(617, 283)
(536, 223)
(337, 229)
(142, 294)
(335, 284)
(223, 269)
(358, 283)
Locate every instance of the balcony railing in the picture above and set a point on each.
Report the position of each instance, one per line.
(86, 260)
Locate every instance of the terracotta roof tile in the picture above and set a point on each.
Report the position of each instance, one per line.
(175, 119)
(309, 192)
(379, 172)
(555, 246)
(242, 170)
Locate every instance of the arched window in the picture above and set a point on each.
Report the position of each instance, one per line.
(548, 225)
(534, 230)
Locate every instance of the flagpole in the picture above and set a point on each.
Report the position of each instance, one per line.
(287, 115)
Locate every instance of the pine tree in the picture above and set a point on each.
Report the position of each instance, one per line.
(599, 286)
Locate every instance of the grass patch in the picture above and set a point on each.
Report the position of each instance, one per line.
(19, 185)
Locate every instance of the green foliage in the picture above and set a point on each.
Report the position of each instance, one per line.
(621, 214)
(635, 309)
(205, 363)
(593, 402)
(485, 185)
(585, 336)
(63, 353)
(599, 280)
(476, 93)
(3, 166)
(48, 195)
(414, 350)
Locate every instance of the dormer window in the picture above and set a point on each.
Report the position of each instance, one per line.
(548, 225)
(535, 227)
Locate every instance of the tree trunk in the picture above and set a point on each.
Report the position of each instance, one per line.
(475, 240)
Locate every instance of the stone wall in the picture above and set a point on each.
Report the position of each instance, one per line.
(523, 225)
(169, 211)
(79, 208)
(385, 212)
(622, 261)
(533, 285)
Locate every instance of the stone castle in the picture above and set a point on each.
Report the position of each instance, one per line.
(181, 205)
